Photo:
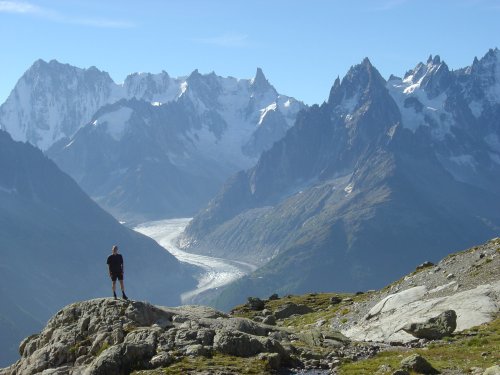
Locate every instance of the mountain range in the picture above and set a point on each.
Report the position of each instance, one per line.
(346, 195)
(383, 175)
(154, 146)
(54, 242)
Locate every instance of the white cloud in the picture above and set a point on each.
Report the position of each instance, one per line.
(19, 7)
(226, 40)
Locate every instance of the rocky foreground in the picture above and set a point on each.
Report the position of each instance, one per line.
(440, 319)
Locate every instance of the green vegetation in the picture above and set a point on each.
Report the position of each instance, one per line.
(74, 348)
(477, 347)
(319, 302)
(103, 347)
(129, 328)
(224, 363)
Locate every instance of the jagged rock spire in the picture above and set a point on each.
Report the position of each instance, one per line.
(260, 82)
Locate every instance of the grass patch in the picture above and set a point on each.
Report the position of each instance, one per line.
(320, 303)
(105, 345)
(460, 353)
(129, 328)
(74, 348)
(311, 318)
(218, 363)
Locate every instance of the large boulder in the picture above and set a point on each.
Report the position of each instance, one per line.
(244, 345)
(255, 304)
(121, 359)
(290, 309)
(434, 328)
(418, 364)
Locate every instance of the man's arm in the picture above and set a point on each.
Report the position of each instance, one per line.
(109, 267)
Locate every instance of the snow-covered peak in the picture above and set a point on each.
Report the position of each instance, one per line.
(433, 77)
(52, 100)
(422, 95)
(417, 109)
(157, 88)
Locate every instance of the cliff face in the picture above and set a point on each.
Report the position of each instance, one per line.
(107, 336)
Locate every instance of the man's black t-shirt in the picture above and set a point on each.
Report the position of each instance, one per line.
(115, 262)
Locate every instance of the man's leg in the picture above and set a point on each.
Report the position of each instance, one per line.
(113, 287)
(122, 286)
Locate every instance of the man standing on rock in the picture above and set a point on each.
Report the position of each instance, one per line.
(115, 267)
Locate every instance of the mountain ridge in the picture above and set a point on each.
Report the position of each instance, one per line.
(380, 168)
(184, 135)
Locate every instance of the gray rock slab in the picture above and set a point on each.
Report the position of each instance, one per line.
(385, 320)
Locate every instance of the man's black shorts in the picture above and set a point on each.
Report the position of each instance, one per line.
(118, 276)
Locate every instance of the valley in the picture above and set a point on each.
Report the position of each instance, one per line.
(214, 272)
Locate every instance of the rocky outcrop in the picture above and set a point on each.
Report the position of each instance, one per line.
(466, 282)
(107, 336)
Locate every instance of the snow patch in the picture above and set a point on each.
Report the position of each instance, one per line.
(263, 112)
(348, 189)
(432, 113)
(115, 122)
(184, 86)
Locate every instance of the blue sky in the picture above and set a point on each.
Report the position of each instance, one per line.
(302, 46)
